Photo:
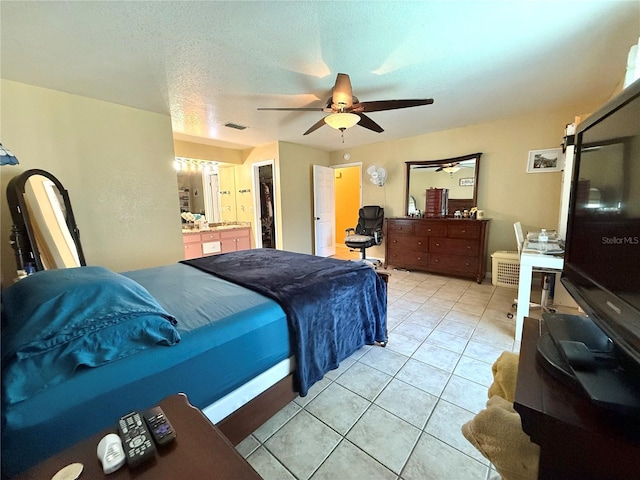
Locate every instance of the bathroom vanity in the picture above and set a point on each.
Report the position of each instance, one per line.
(220, 239)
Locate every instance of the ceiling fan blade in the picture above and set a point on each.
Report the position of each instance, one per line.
(303, 109)
(366, 122)
(342, 95)
(380, 105)
(315, 126)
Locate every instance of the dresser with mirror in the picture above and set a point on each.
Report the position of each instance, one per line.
(443, 243)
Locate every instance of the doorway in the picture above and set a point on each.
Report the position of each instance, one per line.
(265, 215)
(348, 194)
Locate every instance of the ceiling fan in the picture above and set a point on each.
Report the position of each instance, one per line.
(345, 110)
(453, 167)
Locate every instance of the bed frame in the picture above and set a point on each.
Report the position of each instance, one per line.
(244, 421)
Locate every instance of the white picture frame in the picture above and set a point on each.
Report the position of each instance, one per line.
(543, 161)
(467, 182)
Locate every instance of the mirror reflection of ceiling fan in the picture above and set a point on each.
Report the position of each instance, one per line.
(452, 167)
(345, 110)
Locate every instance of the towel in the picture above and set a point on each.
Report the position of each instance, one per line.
(505, 374)
(497, 434)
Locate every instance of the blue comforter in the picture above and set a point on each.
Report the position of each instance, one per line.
(334, 307)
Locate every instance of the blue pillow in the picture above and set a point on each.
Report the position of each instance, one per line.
(56, 321)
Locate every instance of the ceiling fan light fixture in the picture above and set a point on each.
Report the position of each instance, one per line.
(451, 169)
(341, 121)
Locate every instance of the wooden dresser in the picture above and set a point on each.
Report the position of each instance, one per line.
(438, 245)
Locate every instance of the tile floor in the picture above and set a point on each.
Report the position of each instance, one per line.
(396, 412)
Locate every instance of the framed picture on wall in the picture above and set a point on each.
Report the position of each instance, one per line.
(466, 182)
(549, 160)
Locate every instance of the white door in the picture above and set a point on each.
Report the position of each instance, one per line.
(324, 211)
(211, 200)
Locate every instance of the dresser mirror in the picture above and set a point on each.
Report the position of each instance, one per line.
(44, 234)
(459, 175)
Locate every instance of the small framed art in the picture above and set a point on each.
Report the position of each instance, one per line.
(467, 182)
(549, 160)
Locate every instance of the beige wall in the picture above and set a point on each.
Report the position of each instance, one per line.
(206, 152)
(296, 189)
(116, 163)
(505, 191)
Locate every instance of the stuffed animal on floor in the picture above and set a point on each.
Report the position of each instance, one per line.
(505, 375)
(497, 431)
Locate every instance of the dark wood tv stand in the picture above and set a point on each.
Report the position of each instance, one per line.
(576, 438)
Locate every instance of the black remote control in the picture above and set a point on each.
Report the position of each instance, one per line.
(159, 426)
(136, 439)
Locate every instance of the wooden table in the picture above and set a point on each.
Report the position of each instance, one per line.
(199, 451)
(576, 438)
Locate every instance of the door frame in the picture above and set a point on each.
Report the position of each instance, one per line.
(353, 164)
(255, 180)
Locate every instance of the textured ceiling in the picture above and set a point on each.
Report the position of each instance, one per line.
(209, 63)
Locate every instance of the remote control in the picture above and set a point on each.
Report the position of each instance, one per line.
(110, 453)
(159, 426)
(136, 439)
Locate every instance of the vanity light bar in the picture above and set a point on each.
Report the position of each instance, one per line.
(193, 165)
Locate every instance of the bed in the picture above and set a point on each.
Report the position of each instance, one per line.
(225, 330)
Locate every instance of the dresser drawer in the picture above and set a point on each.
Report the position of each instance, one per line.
(464, 229)
(454, 246)
(400, 227)
(453, 263)
(405, 258)
(431, 229)
(409, 243)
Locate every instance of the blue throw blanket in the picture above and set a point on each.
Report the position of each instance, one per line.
(334, 307)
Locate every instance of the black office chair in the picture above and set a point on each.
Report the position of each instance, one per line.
(368, 232)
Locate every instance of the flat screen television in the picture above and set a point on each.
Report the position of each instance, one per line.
(602, 257)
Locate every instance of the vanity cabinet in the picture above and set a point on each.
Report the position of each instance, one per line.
(236, 239)
(192, 243)
(198, 244)
(443, 245)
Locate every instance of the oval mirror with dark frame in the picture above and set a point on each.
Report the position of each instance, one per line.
(459, 175)
(44, 233)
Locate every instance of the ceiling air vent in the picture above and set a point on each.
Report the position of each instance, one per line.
(235, 125)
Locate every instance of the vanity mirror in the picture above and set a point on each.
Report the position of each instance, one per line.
(211, 192)
(459, 175)
(44, 233)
